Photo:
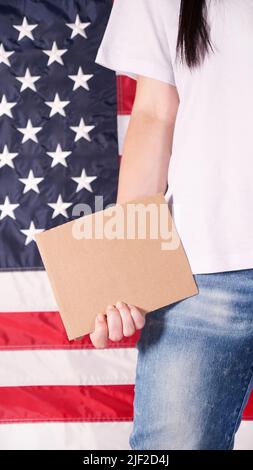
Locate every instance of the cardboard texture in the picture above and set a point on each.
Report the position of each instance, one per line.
(87, 275)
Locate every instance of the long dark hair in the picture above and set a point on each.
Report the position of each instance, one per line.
(193, 41)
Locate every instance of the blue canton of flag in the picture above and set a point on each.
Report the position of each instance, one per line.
(58, 120)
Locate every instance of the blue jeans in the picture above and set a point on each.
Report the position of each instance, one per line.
(195, 367)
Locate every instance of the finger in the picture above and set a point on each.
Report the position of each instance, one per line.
(99, 337)
(114, 323)
(138, 317)
(127, 319)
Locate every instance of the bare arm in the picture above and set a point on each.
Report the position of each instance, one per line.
(148, 141)
(143, 172)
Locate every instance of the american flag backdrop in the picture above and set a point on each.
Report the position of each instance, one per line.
(63, 120)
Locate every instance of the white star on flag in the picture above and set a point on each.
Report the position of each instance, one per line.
(82, 131)
(7, 209)
(80, 79)
(78, 27)
(83, 181)
(4, 55)
(5, 107)
(55, 54)
(25, 29)
(59, 156)
(30, 233)
(6, 157)
(60, 207)
(28, 81)
(57, 106)
(31, 183)
(29, 132)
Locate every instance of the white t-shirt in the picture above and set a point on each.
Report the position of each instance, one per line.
(211, 168)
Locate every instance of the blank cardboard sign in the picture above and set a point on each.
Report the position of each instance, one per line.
(100, 258)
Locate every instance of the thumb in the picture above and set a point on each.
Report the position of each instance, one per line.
(99, 337)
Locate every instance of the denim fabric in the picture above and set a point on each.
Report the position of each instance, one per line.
(195, 367)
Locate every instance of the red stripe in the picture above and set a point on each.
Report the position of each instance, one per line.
(45, 330)
(72, 403)
(126, 89)
(66, 403)
(248, 411)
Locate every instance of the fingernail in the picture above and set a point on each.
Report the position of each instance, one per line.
(110, 307)
(100, 317)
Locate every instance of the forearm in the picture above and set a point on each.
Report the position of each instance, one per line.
(145, 157)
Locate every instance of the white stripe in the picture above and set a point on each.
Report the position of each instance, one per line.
(68, 367)
(85, 436)
(65, 436)
(123, 122)
(22, 291)
(244, 436)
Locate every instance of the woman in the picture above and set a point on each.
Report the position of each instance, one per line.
(193, 62)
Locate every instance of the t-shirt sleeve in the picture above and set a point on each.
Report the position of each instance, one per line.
(135, 40)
